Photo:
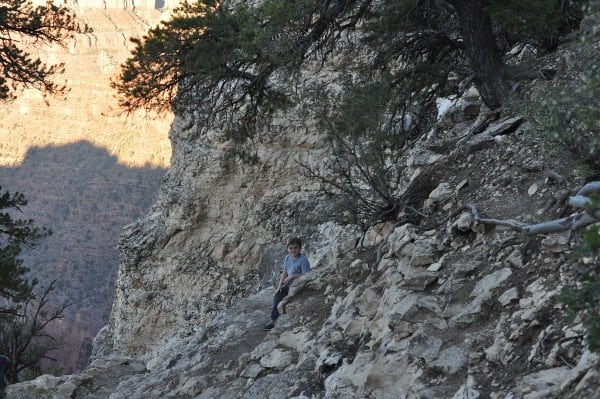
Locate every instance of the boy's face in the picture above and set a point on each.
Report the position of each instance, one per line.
(293, 250)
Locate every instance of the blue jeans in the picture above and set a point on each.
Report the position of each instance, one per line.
(278, 297)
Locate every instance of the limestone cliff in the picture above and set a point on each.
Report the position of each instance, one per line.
(215, 234)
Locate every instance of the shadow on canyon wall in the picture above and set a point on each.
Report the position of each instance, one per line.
(86, 197)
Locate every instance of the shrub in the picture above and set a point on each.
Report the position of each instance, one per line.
(583, 299)
(565, 111)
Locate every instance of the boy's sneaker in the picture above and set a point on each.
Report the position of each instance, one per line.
(269, 326)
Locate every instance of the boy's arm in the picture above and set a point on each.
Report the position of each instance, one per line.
(305, 269)
(282, 280)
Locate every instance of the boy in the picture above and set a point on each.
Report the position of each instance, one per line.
(294, 265)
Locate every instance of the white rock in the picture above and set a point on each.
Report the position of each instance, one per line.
(420, 253)
(509, 296)
(464, 222)
(491, 282)
(467, 391)
(277, 359)
(296, 339)
(252, 370)
(532, 189)
(434, 267)
(441, 193)
(451, 360)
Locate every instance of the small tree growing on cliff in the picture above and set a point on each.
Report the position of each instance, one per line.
(15, 234)
(21, 21)
(23, 317)
(24, 335)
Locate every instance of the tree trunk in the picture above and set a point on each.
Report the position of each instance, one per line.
(481, 51)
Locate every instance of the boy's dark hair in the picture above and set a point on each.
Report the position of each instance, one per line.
(294, 241)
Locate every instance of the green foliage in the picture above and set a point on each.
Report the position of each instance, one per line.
(232, 64)
(540, 22)
(218, 59)
(14, 235)
(583, 299)
(43, 24)
(565, 112)
(592, 237)
(367, 134)
(23, 317)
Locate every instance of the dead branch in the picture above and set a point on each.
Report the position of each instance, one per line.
(570, 223)
(589, 188)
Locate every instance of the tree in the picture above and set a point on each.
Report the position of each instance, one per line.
(20, 20)
(23, 317)
(24, 336)
(225, 57)
(15, 234)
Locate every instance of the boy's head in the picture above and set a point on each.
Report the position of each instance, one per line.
(295, 241)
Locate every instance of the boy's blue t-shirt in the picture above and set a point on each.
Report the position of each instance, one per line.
(300, 265)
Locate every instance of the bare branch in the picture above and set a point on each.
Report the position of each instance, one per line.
(589, 188)
(570, 223)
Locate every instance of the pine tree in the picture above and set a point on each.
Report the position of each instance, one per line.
(21, 21)
(15, 234)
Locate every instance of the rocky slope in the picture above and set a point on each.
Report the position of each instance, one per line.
(446, 308)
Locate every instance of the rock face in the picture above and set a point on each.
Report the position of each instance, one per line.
(214, 234)
(446, 308)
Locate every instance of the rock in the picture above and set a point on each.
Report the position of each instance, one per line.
(500, 351)
(467, 391)
(543, 383)
(421, 253)
(558, 242)
(509, 296)
(422, 158)
(372, 375)
(277, 359)
(434, 267)
(490, 282)
(252, 371)
(263, 349)
(532, 189)
(503, 126)
(425, 346)
(464, 222)
(297, 339)
(515, 258)
(451, 360)
(482, 292)
(400, 237)
(441, 193)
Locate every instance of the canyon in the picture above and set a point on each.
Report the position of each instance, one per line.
(442, 306)
(86, 168)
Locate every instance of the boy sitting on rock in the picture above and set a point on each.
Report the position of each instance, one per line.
(294, 265)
